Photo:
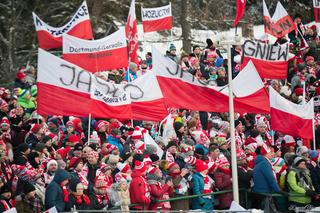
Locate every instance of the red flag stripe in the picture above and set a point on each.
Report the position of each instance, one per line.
(157, 25)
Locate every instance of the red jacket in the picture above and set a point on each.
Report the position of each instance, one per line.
(139, 191)
(158, 192)
(223, 182)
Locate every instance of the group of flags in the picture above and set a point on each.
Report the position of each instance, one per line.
(68, 86)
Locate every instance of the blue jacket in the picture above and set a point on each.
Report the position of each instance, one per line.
(129, 75)
(54, 193)
(198, 186)
(263, 178)
(116, 142)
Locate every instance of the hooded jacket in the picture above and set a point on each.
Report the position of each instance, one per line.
(54, 193)
(139, 191)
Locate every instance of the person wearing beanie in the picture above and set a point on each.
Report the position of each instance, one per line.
(139, 189)
(77, 197)
(131, 74)
(101, 127)
(91, 167)
(52, 167)
(263, 177)
(244, 174)
(202, 184)
(6, 200)
(172, 149)
(115, 139)
(53, 125)
(99, 198)
(172, 53)
(28, 201)
(155, 159)
(75, 168)
(21, 154)
(35, 135)
(57, 194)
(124, 172)
(159, 190)
(315, 176)
(72, 140)
(299, 182)
(196, 52)
(77, 150)
(62, 153)
(223, 147)
(179, 130)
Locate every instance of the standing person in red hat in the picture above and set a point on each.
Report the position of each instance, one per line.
(202, 184)
(139, 189)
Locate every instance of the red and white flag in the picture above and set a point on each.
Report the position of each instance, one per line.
(316, 10)
(97, 55)
(182, 90)
(156, 19)
(271, 61)
(241, 8)
(51, 37)
(66, 89)
(290, 118)
(132, 34)
(280, 24)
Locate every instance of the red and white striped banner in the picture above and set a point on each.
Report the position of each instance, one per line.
(280, 24)
(156, 19)
(97, 55)
(132, 34)
(51, 37)
(316, 10)
(66, 89)
(271, 61)
(290, 118)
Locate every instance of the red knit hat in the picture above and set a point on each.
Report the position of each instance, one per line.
(171, 164)
(74, 162)
(152, 169)
(70, 123)
(289, 140)
(3, 103)
(147, 160)
(191, 160)
(73, 138)
(264, 149)
(64, 152)
(123, 167)
(223, 161)
(35, 128)
(240, 154)
(318, 91)
(20, 75)
(99, 124)
(201, 165)
(5, 121)
(140, 166)
(137, 134)
(110, 147)
(298, 91)
(139, 145)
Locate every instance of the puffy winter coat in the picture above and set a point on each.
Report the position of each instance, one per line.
(198, 186)
(263, 177)
(157, 191)
(54, 193)
(223, 182)
(294, 186)
(139, 191)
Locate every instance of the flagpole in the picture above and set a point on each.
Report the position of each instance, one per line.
(314, 133)
(304, 93)
(89, 126)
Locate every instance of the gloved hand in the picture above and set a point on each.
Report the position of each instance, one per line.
(311, 193)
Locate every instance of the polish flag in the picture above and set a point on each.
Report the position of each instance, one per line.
(316, 10)
(289, 118)
(97, 55)
(51, 37)
(280, 24)
(271, 61)
(241, 8)
(156, 19)
(132, 34)
(182, 90)
(66, 89)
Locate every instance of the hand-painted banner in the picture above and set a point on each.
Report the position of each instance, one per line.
(66, 89)
(156, 19)
(97, 55)
(51, 37)
(280, 24)
(271, 61)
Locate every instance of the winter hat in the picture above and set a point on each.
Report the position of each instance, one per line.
(201, 138)
(172, 47)
(277, 162)
(199, 152)
(110, 147)
(73, 138)
(314, 155)
(100, 183)
(309, 58)
(289, 140)
(40, 147)
(154, 158)
(212, 54)
(54, 120)
(223, 161)
(172, 143)
(298, 91)
(221, 141)
(94, 146)
(171, 165)
(150, 149)
(252, 147)
(240, 154)
(140, 166)
(105, 167)
(113, 159)
(191, 160)
(123, 167)
(177, 125)
(209, 42)
(35, 128)
(237, 59)
(99, 124)
(264, 149)
(51, 162)
(73, 183)
(186, 148)
(298, 160)
(64, 152)
(28, 187)
(301, 150)
(201, 165)
(188, 142)
(132, 65)
(78, 147)
(152, 170)
(93, 154)
(3, 103)
(261, 122)
(20, 75)
(5, 121)
(73, 163)
(137, 134)
(23, 147)
(139, 145)
(147, 160)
